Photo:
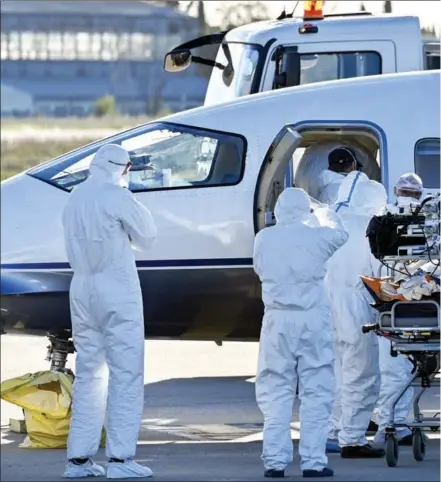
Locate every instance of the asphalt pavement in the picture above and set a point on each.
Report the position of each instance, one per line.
(201, 421)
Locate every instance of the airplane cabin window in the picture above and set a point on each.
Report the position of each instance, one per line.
(427, 162)
(163, 156)
(322, 67)
(170, 158)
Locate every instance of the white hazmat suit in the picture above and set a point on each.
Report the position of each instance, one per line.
(359, 199)
(334, 424)
(329, 183)
(101, 221)
(314, 162)
(396, 370)
(296, 340)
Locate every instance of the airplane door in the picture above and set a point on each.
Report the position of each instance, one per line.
(197, 279)
(191, 181)
(281, 167)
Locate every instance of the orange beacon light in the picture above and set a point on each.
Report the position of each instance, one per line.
(313, 10)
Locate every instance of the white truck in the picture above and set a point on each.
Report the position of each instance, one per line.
(292, 51)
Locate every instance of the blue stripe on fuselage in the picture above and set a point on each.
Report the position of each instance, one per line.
(166, 263)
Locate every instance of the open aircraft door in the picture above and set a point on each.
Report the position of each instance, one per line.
(276, 166)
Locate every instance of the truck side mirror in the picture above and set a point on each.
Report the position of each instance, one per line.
(177, 60)
(288, 68)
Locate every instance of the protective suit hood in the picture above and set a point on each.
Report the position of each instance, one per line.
(369, 198)
(328, 184)
(292, 205)
(409, 182)
(109, 163)
(346, 190)
(361, 195)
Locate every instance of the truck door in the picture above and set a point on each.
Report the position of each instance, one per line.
(339, 60)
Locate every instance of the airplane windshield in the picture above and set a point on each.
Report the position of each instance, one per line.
(162, 155)
(222, 87)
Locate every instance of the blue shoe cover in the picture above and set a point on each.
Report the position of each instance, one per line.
(326, 472)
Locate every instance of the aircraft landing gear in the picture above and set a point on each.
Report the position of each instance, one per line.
(60, 346)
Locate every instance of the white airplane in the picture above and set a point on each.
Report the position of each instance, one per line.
(197, 280)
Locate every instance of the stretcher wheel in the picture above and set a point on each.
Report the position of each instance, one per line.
(391, 450)
(418, 445)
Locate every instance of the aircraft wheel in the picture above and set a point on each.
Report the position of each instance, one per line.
(391, 450)
(418, 445)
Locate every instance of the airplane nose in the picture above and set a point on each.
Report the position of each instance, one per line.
(31, 229)
(34, 286)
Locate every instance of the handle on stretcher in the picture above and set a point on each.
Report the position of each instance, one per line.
(370, 327)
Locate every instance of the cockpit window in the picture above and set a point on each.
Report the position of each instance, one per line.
(163, 156)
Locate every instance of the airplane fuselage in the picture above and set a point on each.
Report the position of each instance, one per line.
(197, 280)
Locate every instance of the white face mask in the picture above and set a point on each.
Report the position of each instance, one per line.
(125, 180)
(406, 201)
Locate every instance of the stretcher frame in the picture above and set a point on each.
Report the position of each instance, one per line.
(419, 344)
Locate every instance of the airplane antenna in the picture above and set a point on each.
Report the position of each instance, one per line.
(282, 15)
(295, 8)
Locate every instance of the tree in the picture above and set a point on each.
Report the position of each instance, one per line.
(172, 3)
(168, 3)
(387, 7)
(105, 106)
(429, 31)
(202, 23)
(201, 18)
(242, 13)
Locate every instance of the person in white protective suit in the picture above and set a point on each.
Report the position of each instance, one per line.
(358, 200)
(101, 221)
(296, 341)
(341, 162)
(408, 190)
(332, 445)
(396, 370)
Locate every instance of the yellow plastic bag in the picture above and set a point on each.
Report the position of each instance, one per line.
(46, 398)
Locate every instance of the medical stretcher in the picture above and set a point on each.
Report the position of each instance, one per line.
(411, 325)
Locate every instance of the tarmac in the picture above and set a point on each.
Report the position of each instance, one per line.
(201, 421)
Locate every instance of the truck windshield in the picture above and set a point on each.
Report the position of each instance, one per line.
(245, 58)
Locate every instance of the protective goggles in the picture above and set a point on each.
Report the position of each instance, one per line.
(128, 164)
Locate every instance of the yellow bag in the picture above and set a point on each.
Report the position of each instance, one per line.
(46, 398)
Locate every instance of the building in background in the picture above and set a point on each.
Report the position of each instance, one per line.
(59, 57)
